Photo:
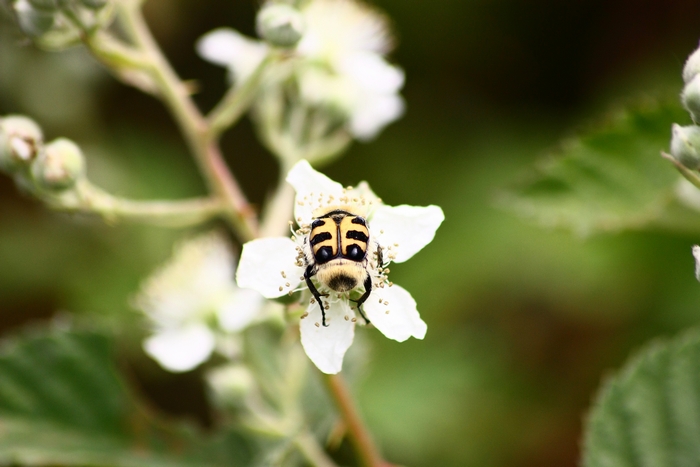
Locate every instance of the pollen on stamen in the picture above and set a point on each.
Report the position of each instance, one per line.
(386, 312)
(354, 320)
(347, 318)
(304, 315)
(386, 303)
(312, 301)
(317, 325)
(281, 288)
(286, 284)
(381, 231)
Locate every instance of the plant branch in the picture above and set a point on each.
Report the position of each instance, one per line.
(359, 435)
(192, 124)
(236, 100)
(182, 213)
(309, 448)
(690, 175)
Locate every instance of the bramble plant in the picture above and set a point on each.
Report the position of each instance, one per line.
(271, 306)
(316, 79)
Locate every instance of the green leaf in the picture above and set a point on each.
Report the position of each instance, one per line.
(62, 403)
(649, 414)
(608, 179)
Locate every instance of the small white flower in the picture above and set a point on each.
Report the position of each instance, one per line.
(274, 267)
(340, 65)
(191, 300)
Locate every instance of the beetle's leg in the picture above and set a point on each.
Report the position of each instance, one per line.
(315, 293)
(364, 297)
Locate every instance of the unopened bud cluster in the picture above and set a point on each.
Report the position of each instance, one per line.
(38, 18)
(52, 167)
(685, 140)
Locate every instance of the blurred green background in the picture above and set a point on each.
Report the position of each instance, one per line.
(524, 323)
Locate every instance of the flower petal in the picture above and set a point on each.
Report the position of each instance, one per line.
(229, 48)
(409, 227)
(372, 73)
(310, 185)
(393, 311)
(373, 112)
(181, 349)
(268, 266)
(326, 346)
(240, 309)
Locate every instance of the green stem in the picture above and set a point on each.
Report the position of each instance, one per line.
(181, 213)
(193, 125)
(359, 435)
(309, 448)
(236, 101)
(690, 175)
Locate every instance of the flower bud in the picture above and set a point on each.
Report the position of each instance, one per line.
(691, 98)
(280, 25)
(685, 145)
(59, 166)
(94, 4)
(692, 66)
(32, 21)
(20, 139)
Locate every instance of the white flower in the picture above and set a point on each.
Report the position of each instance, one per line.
(274, 267)
(191, 300)
(340, 62)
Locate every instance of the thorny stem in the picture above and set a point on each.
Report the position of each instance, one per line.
(359, 435)
(191, 122)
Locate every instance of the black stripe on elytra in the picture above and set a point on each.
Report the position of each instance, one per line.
(320, 237)
(358, 220)
(357, 235)
(317, 223)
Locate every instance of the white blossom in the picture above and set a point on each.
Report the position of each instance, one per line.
(192, 301)
(340, 62)
(274, 266)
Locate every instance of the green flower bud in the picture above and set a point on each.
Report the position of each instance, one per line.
(32, 21)
(59, 166)
(280, 25)
(692, 66)
(94, 4)
(20, 139)
(691, 98)
(685, 145)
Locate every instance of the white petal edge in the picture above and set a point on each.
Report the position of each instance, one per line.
(268, 265)
(326, 346)
(373, 112)
(227, 47)
(411, 227)
(242, 307)
(307, 181)
(181, 349)
(403, 319)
